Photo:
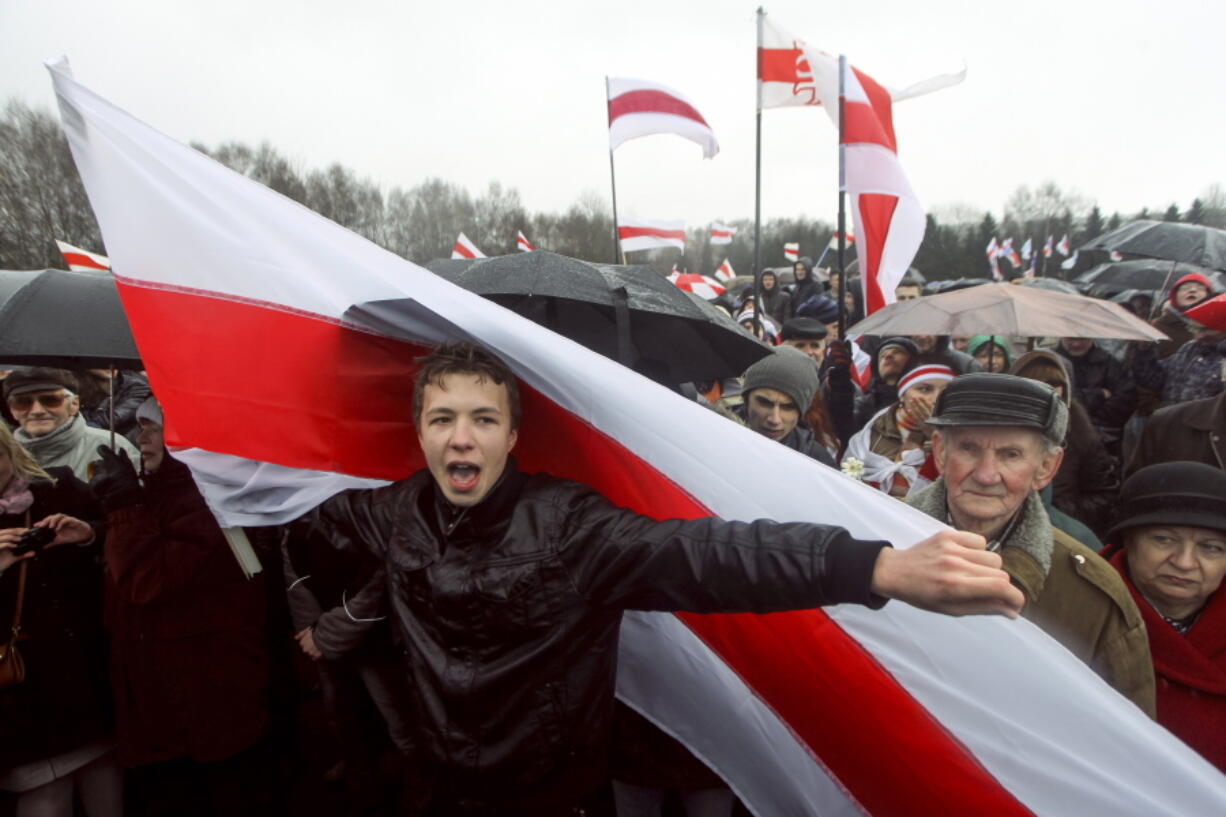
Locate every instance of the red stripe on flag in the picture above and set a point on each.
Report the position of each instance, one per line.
(861, 125)
(876, 212)
(635, 232)
(650, 101)
(780, 64)
(74, 259)
(882, 105)
(462, 250)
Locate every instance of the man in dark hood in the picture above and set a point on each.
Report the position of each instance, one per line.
(775, 302)
(806, 285)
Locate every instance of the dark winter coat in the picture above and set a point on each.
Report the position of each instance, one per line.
(804, 290)
(1087, 484)
(1190, 669)
(1193, 372)
(189, 665)
(510, 610)
(801, 438)
(65, 701)
(1094, 372)
(1195, 432)
(131, 389)
(776, 303)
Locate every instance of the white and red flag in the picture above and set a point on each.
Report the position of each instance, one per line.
(700, 285)
(993, 251)
(841, 711)
(79, 260)
(465, 248)
(722, 233)
(1027, 250)
(791, 251)
(641, 108)
(861, 364)
(1009, 254)
(1115, 256)
(1047, 248)
(789, 74)
(833, 244)
(1071, 262)
(522, 243)
(647, 234)
(725, 273)
(1062, 246)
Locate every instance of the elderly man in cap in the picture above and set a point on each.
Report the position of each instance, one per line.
(45, 404)
(998, 444)
(805, 335)
(778, 390)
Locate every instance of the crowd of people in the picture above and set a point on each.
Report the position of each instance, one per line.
(1090, 479)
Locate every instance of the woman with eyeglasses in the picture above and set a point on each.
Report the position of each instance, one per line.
(46, 407)
(55, 725)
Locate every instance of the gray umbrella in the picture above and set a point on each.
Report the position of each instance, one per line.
(631, 314)
(1169, 240)
(1012, 311)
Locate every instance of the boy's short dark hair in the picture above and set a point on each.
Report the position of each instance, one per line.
(464, 358)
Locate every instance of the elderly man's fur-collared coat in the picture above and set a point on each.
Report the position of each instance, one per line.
(1072, 594)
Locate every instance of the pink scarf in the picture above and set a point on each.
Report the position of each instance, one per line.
(17, 497)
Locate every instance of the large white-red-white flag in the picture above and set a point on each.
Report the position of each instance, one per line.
(724, 272)
(465, 248)
(788, 74)
(649, 233)
(79, 260)
(842, 711)
(638, 107)
(522, 243)
(722, 233)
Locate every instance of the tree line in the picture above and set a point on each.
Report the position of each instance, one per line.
(42, 199)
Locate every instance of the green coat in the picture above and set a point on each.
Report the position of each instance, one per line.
(1073, 595)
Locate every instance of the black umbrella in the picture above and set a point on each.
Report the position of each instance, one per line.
(1107, 280)
(631, 314)
(1188, 243)
(65, 319)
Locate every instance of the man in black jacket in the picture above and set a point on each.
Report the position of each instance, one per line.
(508, 590)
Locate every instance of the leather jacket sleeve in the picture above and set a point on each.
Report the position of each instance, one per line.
(617, 558)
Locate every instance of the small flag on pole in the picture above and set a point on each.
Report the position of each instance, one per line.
(1069, 264)
(700, 285)
(833, 244)
(1030, 271)
(1027, 250)
(79, 260)
(522, 243)
(792, 251)
(993, 251)
(722, 233)
(646, 234)
(1047, 247)
(1062, 247)
(725, 272)
(465, 248)
(1010, 254)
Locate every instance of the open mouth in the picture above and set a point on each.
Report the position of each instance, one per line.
(462, 476)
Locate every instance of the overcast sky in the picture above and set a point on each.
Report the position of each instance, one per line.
(1121, 102)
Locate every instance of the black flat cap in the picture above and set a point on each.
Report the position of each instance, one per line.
(25, 379)
(802, 329)
(1001, 400)
(1190, 494)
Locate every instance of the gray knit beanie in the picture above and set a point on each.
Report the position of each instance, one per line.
(787, 370)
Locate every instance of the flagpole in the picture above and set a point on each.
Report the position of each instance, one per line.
(757, 190)
(842, 207)
(618, 257)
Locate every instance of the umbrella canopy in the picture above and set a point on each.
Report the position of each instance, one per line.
(1189, 243)
(1149, 274)
(1054, 284)
(700, 285)
(631, 314)
(67, 319)
(951, 284)
(1005, 309)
